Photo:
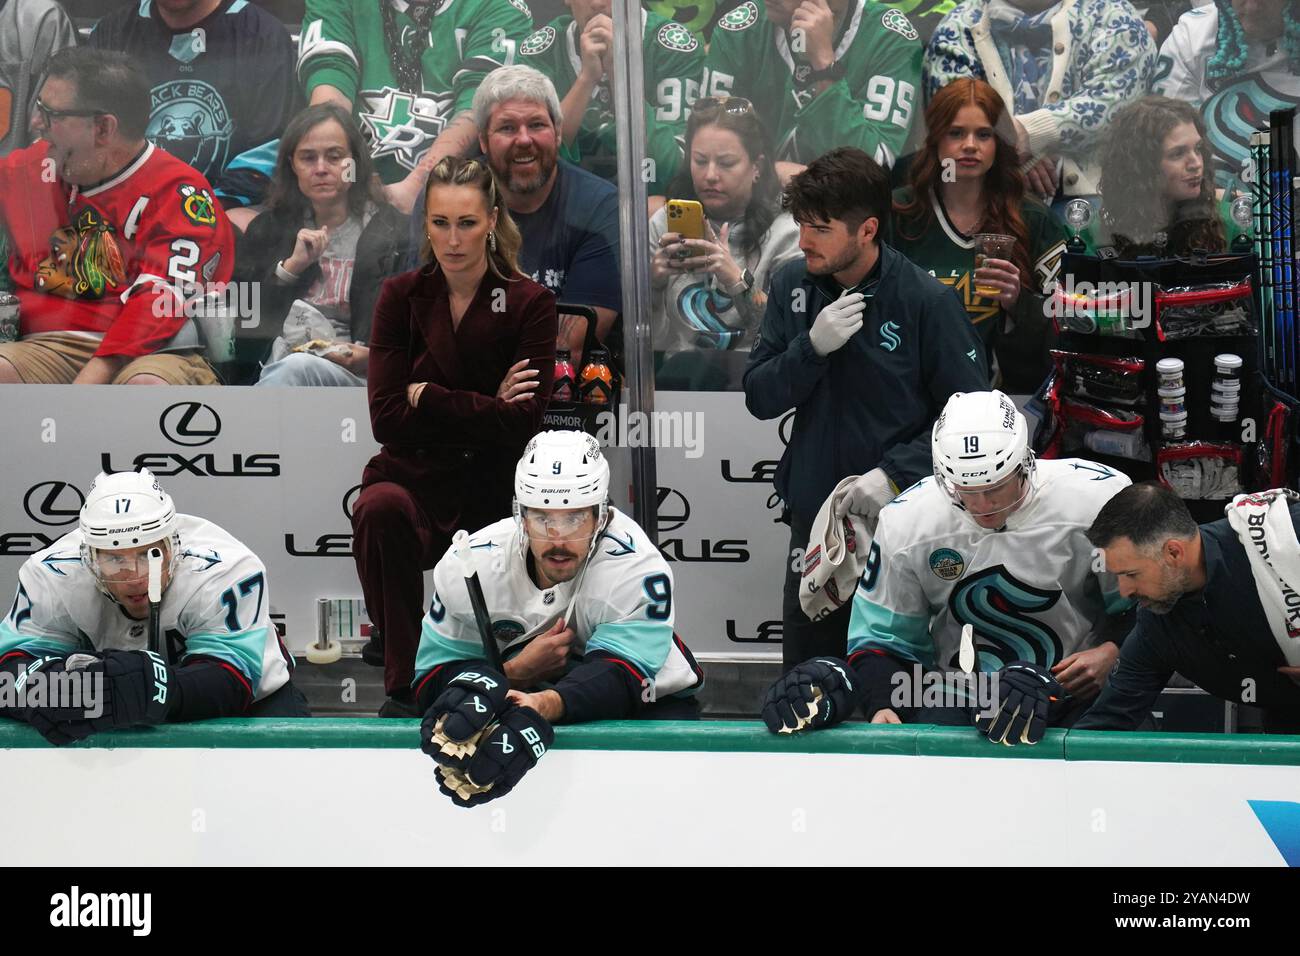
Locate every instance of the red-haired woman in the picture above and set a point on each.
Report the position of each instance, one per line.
(965, 180)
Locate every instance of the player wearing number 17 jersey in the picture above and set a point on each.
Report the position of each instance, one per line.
(822, 73)
(82, 605)
(994, 540)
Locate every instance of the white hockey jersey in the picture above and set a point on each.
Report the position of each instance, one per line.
(216, 606)
(1028, 590)
(624, 605)
(1233, 108)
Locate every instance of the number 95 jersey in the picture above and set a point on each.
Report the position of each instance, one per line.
(216, 607)
(1030, 590)
(624, 608)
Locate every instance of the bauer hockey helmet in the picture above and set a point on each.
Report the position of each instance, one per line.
(123, 511)
(561, 470)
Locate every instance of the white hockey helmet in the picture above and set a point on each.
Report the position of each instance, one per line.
(125, 510)
(560, 470)
(980, 440)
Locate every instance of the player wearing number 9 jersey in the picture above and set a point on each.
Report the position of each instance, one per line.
(82, 604)
(581, 601)
(854, 80)
(671, 59)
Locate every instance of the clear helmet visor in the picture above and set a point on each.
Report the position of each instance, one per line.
(544, 524)
(119, 569)
(998, 500)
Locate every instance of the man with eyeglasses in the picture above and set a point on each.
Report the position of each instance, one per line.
(111, 238)
(581, 604)
(823, 74)
(30, 32)
(81, 615)
(575, 53)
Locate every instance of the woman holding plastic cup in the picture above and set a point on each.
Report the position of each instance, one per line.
(965, 217)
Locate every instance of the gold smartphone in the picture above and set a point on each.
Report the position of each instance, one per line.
(686, 218)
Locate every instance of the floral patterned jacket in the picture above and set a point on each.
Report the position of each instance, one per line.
(1102, 59)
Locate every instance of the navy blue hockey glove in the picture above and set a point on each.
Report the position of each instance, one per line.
(1026, 693)
(40, 689)
(818, 693)
(471, 701)
(508, 750)
(138, 688)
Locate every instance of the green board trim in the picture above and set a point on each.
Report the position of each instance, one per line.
(708, 736)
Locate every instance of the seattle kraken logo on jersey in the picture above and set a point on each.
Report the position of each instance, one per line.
(998, 606)
(189, 119)
(403, 126)
(700, 306)
(889, 339)
(1232, 114)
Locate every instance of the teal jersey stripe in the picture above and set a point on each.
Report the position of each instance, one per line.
(260, 159)
(242, 650)
(36, 645)
(437, 648)
(904, 635)
(643, 643)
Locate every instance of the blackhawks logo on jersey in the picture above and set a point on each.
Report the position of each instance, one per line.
(84, 260)
(401, 125)
(198, 205)
(538, 42)
(897, 21)
(674, 36)
(738, 19)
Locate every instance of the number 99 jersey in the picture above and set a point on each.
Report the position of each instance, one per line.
(1030, 590)
(624, 608)
(216, 606)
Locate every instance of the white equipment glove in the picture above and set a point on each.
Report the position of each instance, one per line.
(866, 496)
(837, 323)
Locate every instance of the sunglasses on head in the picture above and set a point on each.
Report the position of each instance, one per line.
(723, 104)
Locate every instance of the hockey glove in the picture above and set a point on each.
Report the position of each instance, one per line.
(138, 688)
(471, 701)
(59, 724)
(817, 693)
(505, 753)
(1025, 695)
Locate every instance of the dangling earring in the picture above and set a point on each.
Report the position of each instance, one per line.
(492, 240)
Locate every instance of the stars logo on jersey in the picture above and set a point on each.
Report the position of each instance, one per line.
(538, 42)
(947, 564)
(674, 36)
(743, 16)
(198, 205)
(978, 308)
(897, 21)
(401, 125)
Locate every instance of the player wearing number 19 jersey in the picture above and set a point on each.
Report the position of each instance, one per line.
(83, 603)
(866, 98)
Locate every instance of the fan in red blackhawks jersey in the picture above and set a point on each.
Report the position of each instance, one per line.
(822, 73)
(409, 69)
(109, 236)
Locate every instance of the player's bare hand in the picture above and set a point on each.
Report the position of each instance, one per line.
(885, 716)
(1084, 674)
(595, 46)
(520, 382)
(1002, 275)
(544, 656)
(413, 393)
(547, 703)
(356, 359)
(817, 21)
(307, 249)
(1041, 178)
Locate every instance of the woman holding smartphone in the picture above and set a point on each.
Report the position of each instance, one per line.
(965, 184)
(710, 291)
(462, 354)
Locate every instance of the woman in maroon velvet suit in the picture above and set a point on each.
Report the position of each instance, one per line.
(462, 356)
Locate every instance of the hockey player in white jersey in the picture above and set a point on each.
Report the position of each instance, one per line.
(994, 540)
(581, 604)
(83, 606)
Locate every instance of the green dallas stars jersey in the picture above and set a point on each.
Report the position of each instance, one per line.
(871, 106)
(343, 45)
(949, 256)
(672, 58)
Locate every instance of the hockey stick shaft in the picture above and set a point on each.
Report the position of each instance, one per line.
(155, 599)
(460, 544)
